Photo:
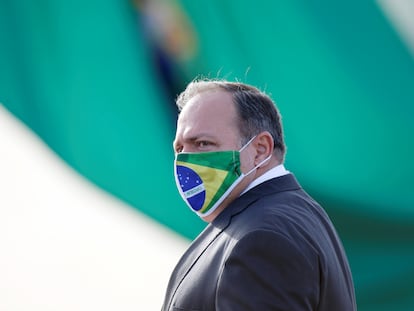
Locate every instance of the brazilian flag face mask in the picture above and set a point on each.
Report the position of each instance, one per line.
(205, 179)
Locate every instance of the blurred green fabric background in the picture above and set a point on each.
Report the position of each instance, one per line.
(96, 80)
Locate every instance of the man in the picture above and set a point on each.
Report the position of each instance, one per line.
(268, 244)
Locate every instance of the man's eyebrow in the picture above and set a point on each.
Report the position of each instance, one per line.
(200, 136)
(194, 138)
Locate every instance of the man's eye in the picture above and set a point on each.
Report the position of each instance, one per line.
(203, 143)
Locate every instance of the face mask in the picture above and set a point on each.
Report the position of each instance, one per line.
(205, 179)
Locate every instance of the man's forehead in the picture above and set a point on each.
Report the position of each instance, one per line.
(210, 113)
(211, 102)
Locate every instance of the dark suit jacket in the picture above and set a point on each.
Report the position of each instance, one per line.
(273, 248)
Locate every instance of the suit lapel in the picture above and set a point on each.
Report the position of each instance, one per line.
(190, 257)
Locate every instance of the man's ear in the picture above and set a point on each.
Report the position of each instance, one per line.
(264, 146)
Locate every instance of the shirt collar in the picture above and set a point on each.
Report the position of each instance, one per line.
(277, 171)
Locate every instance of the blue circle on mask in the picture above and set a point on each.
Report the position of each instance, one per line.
(190, 181)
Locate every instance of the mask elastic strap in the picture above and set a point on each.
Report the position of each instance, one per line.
(258, 165)
(246, 144)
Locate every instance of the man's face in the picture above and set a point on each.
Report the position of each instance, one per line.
(208, 123)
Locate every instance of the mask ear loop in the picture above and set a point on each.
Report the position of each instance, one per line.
(248, 143)
(258, 165)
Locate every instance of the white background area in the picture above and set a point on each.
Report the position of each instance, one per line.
(65, 244)
(400, 14)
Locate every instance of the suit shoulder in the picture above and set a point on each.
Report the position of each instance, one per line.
(290, 214)
(279, 209)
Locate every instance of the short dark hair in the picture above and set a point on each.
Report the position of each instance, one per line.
(256, 110)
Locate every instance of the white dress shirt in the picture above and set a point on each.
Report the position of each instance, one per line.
(277, 171)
